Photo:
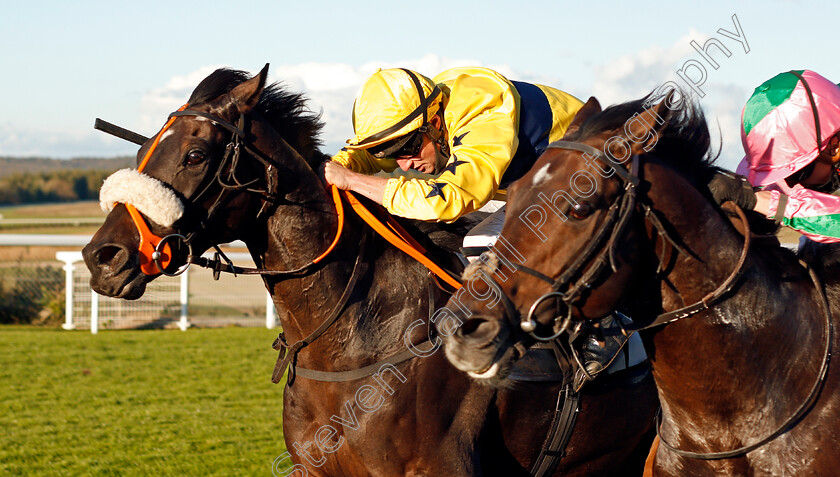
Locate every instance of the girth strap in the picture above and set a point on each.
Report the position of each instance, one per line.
(353, 374)
(560, 432)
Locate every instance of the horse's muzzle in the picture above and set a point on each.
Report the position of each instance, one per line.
(114, 270)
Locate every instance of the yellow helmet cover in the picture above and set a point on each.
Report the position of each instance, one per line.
(390, 104)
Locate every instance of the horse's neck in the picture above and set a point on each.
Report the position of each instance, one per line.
(390, 291)
(721, 368)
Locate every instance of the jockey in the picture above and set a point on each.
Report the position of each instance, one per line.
(790, 130)
(471, 128)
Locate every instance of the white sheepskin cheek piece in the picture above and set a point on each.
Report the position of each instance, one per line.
(151, 197)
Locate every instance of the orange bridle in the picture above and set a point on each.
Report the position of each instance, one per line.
(152, 260)
(156, 254)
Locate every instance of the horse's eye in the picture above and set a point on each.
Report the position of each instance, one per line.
(195, 157)
(581, 210)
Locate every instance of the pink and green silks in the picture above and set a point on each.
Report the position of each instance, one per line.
(779, 135)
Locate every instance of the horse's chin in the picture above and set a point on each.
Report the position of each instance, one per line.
(499, 369)
(488, 366)
(130, 287)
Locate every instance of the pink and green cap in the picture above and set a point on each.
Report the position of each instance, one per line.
(778, 128)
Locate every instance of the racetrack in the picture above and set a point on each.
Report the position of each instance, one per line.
(138, 403)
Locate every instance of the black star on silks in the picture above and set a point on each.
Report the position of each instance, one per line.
(437, 189)
(457, 140)
(452, 165)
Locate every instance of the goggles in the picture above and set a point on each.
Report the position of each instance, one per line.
(801, 174)
(408, 145)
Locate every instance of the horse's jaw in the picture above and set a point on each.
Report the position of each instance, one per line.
(123, 281)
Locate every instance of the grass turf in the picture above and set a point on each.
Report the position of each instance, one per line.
(131, 403)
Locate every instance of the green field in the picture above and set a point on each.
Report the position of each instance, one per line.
(65, 211)
(138, 403)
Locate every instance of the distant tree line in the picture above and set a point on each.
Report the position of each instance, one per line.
(38, 179)
(19, 165)
(56, 186)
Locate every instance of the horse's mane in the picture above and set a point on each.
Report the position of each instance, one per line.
(684, 142)
(286, 111)
(684, 138)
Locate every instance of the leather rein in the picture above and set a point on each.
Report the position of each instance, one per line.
(611, 232)
(391, 230)
(589, 267)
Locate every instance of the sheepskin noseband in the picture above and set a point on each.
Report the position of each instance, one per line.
(151, 197)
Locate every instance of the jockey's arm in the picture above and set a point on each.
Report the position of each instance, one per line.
(762, 202)
(372, 187)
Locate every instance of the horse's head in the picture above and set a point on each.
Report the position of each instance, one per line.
(213, 170)
(575, 243)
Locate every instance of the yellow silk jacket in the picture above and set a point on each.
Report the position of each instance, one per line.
(496, 129)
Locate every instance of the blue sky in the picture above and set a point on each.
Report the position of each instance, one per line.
(66, 63)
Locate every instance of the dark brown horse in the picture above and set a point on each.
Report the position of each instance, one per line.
(741, 337)
(240, 160)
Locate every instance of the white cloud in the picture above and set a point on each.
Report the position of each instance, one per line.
(331, 88)
(157, 103)
(633, 76)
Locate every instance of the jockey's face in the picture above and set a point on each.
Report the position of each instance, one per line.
(425, 161)
(819, 176)
(824, 164)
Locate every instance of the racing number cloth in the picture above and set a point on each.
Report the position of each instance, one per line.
(496, 129)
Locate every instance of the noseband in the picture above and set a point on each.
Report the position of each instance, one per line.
(589, 267)
(155, 252)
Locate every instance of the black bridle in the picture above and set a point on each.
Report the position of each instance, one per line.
(589, 267)
(613, 227)
(225, 176)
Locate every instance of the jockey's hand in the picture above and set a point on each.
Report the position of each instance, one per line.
(337, 175)
(726, 186)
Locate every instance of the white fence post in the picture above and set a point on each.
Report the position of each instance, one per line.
(68, 258)
(71, 257)
(270, 320)
(185, 300)
(94, 312)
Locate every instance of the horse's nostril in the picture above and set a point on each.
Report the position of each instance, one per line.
(478, 331)
(106, 254)
(113, 256)
(470, 326)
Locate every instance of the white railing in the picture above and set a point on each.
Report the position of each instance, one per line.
(162, 294)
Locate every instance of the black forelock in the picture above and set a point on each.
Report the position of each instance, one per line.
(216, 84)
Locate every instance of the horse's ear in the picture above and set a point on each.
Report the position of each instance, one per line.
(643, 128)
(247, 94)
(589, 109)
